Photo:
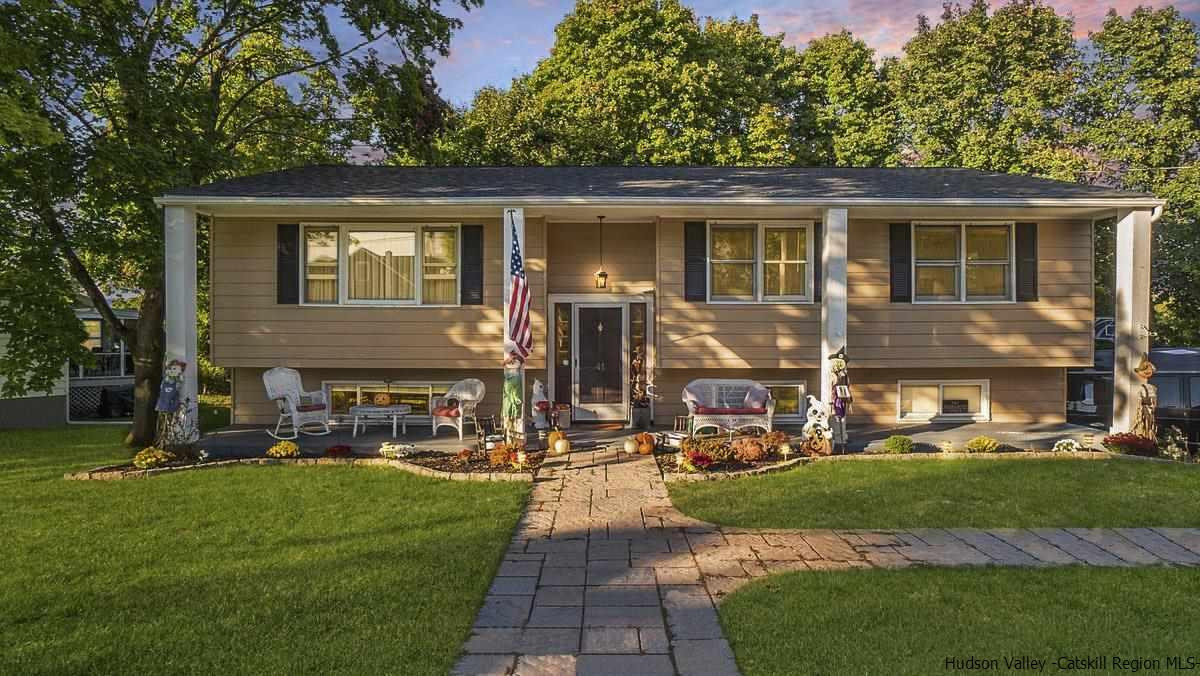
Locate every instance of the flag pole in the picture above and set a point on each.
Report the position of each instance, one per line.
(512, 407)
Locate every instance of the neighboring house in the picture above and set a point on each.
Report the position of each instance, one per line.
(102, 392)
(958, 294)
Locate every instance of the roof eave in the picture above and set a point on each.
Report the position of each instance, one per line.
(500, 202)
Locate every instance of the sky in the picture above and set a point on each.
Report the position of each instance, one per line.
(506, 38)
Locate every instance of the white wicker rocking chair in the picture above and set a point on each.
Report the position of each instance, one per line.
(457, 407)
(306, 412)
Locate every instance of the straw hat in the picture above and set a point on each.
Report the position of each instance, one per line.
(1145, 370)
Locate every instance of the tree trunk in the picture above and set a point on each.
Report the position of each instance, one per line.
(147, 365)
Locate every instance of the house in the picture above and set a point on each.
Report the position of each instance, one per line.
(101, 392)
(957, 294)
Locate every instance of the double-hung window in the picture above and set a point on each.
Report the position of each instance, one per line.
(757, 262)
(376, 264)
(963, 262)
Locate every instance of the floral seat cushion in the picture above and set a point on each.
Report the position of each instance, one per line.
(303, 408)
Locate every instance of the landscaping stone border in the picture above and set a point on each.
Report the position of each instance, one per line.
(116, 472)
(868, 457)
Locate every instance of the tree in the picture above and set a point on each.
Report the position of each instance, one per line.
(991, 91)
(1139, 116)
(143, 97)
(847, 113)
(640, 82)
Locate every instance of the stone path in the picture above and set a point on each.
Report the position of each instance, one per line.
(605, 576)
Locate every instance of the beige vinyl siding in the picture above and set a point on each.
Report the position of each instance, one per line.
(249, 329)
(727, 336)
(1018, 395)
(1054, 331)
(575, 256)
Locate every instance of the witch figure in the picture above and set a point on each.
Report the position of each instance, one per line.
(840, 396)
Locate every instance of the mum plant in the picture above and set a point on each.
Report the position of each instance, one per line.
(982, 444)
(151, 457)
(1067, 446)
(749, 449)
(284, 449)
(1128, 443)
(898, 443)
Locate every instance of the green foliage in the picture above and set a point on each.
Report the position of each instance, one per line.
(982, 444)
(898, 443)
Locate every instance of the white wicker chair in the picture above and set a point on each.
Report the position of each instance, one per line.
(728, 404)
(457, 407)
(297, 408)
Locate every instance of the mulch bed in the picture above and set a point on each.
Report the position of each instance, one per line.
(666, 463)
(478, 463)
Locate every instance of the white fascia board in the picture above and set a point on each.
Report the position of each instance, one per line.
(201, 201)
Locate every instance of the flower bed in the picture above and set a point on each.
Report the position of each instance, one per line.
(474, 462)
(714, 455)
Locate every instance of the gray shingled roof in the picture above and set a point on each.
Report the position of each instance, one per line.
(905, 183)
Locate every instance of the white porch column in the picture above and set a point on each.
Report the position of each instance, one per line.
(180, 231)
(833, 294)
(1132, 305)
(513, 224)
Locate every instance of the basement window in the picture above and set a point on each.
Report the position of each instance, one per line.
(952, 400)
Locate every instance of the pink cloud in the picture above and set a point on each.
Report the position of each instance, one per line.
(886, 25)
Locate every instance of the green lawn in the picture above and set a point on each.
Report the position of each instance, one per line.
(910, 621)
(1012, 493)
(257, 570)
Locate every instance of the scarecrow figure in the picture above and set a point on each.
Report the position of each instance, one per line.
(176, 429)
(1144, 422)
(840, 396)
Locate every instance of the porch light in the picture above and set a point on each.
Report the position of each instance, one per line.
(600, 275)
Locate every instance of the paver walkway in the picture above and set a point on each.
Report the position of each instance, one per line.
(605, 576)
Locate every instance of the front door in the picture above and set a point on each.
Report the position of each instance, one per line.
(599, 373)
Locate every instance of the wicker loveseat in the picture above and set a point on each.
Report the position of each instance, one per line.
(728, 404)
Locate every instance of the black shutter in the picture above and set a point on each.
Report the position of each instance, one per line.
(695, 261)
(472, 265)
(1027, 262)
(901, 262)
(287, 264)
(818, 247)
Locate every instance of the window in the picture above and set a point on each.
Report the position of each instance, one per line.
(321, 265)
(755, 262)
(790, 403)
(958, 400)
(971, 262)
(113, 359)
(732, 258)
(343, 395)
(381, 264)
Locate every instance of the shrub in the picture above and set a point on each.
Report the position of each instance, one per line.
(463, 456)
(498, 455)
(749, 449)
(715, 448)
(151, 457)
(1128, 443)
(982, 444)
(1173, 445)
(283, 449)
(773, 440)
(1067, 446)
(339, 451)
(898, 443)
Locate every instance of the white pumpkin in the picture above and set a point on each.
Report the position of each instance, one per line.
(562, 447)
(631, 446)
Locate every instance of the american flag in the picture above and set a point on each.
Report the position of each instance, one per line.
(519, 331)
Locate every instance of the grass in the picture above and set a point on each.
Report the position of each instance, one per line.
(263, 570)
(910, 621)
(1012, 493)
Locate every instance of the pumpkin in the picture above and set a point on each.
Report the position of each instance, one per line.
(562, 447)
(631, 446)
(645, 442)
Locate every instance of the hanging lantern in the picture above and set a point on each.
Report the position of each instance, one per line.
(600, 275)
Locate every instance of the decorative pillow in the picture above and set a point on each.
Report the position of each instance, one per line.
(757, 397)
(447, 411)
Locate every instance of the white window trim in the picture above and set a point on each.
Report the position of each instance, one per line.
(985, 402)
(962, 262)
(431, 385)
(759, 262)
(343, 280)
(802, 416)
